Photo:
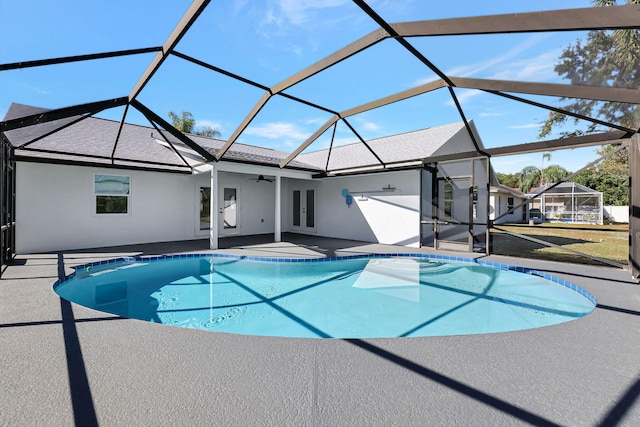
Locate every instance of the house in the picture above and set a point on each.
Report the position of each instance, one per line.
(568, 202)
(85, 182)
(507, 205)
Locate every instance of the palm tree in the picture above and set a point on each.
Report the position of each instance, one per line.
(184, 123)
(529, 177)
(546, 156)
(555, 173)
(187, 124)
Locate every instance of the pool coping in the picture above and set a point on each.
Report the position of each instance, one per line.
(431, 256)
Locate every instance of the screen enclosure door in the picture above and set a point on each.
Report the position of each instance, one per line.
(428, 208)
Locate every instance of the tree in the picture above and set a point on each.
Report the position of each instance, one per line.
(605, 59)
(184, 123)
(610, 177)
(187, 124)
(529, 178)
(511, 180)
(207, 131)
(545, 156)
(555, 173)
(608, 58)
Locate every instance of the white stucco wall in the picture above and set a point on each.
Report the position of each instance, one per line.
(256, 208)
(499, 205)
(56, 211)
(384, 217)
(617, 213)
(55, 207)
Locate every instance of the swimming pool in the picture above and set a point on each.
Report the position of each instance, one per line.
(348, 297)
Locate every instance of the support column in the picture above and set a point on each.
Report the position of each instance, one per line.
(214, 208)
(634, 206)
(487, 238)
(472, 184)
(278, 221)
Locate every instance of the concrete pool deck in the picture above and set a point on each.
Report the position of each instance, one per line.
(62, 364)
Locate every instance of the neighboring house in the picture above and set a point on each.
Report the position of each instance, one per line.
(507, 205)
(569, 202)
(95, 183)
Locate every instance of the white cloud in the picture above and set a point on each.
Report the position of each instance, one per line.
(210, 123)
(424, 81)
(388, 7)
(296, 49)
(300, 12)
(527, 126)
(315, 121)
(538, 68)
(503, 61)
(367, 129)
(277, 130)
(238, 5)
(370, 126)
(36, 89)
(337, 142)
(465, 96)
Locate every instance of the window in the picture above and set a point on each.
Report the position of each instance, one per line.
(112, 194)
(475, 202)
(296, 208)
(205, 208)
(230, 216)
(448, 200)
(311, 215)
(509, 203)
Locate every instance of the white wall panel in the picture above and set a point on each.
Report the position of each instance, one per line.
(390, 217)
(55, 208)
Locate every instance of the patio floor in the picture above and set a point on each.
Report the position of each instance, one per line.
(61, 363)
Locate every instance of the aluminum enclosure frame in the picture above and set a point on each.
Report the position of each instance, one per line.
(583, 19)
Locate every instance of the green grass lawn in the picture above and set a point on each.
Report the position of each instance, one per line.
(610, 242)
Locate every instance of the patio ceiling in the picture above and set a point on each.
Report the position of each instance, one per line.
(439, 82)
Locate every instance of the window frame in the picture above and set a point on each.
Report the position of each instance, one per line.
(97, 194)
(447, 200)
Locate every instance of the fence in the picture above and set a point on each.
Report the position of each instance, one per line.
(617, 213)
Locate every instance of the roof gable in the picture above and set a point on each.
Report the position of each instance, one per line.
(405, 147)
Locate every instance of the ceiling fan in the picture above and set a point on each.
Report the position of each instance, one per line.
(261, 178)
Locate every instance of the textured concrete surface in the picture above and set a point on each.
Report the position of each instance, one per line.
(62, 364)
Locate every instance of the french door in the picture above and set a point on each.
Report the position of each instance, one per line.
(229, 216)
(303, 209)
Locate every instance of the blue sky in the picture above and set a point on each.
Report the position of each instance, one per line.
(267, 41)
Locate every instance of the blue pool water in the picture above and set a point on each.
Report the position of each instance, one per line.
(361, 297)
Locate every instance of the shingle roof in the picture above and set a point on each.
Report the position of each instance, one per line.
(565, 188)
(500, 188)
(404, 147)
(248, 153)
(95, 139)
